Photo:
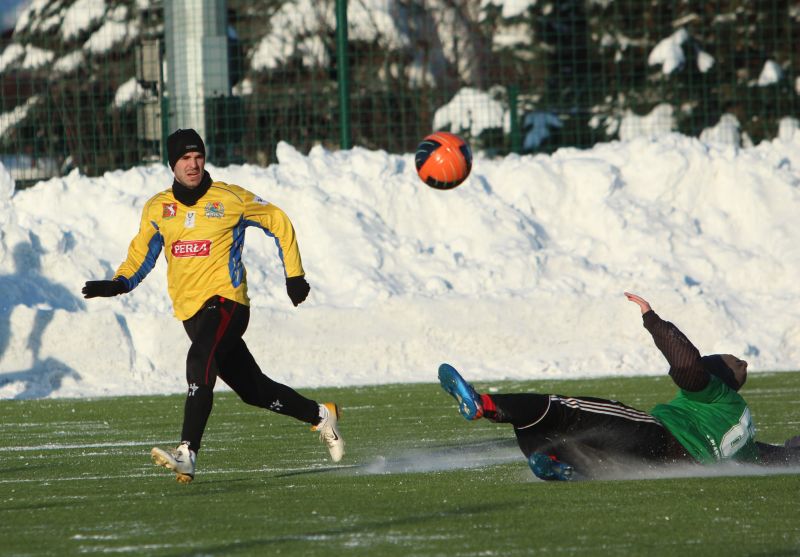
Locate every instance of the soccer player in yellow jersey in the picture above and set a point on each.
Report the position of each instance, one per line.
(200, 225)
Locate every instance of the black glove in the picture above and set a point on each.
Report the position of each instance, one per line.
(103, 288)
(298, 289)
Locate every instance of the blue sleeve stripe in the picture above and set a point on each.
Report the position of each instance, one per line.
(235, 266)
(153, 251)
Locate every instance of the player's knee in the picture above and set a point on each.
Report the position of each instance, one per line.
(251, 399)
(200, 371)
(264, 395)
(197, 359)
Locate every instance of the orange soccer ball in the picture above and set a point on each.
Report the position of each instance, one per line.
(443, 160)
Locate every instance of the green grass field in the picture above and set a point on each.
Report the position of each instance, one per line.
(76, 478)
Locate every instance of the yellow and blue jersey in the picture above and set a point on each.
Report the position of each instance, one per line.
(204, 244)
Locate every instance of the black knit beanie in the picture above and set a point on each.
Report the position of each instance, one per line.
(181, 142)
(727, 367)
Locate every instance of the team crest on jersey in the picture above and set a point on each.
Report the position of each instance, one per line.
(169, 210)
(215, 210)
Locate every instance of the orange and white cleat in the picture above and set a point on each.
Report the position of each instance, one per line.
(328, 429)
(180, 460)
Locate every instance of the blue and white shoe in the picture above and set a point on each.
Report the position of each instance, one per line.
(469, 401)
(548, 468)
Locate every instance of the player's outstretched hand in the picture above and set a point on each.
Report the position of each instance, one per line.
(298, 289)
(103, 288)
(639, 301)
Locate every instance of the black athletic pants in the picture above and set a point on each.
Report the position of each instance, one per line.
(588, 433)
(218, 350)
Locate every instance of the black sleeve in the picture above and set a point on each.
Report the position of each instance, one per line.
(777, 455)
(682, 356)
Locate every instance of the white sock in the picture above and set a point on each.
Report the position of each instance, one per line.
(323, 414)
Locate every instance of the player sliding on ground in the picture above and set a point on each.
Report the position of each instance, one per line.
(202, 224)
(567, 437)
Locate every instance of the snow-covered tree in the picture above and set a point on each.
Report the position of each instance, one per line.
(578, 71)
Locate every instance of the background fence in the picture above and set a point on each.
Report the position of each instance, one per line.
(92, 84)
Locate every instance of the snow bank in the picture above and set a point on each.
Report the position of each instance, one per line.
(516, 274)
